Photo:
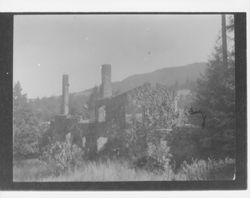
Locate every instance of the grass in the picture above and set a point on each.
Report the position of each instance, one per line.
(36, 170)
(108, 171)
(30, 170)
(207, 170)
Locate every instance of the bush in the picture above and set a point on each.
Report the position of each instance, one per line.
(188, 143)
(160, 152)
(157, 159)
(210, 169)
(61, 156)
(185, 144)
(149, 164)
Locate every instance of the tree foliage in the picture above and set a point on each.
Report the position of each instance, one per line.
(145, 136)
(215, 95)
(45, 108)
(25, 125)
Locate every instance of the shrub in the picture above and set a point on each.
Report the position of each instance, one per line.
(149, 164)
(61, 156)
(188, 143)
(160, 152)
(157, 158)
(210, 169)
(185, 145)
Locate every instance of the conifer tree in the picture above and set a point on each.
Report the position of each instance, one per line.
(215, 95)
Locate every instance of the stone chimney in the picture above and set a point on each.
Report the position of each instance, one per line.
(65, 95)
(106, 87)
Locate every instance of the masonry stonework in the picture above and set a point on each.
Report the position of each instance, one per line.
(65, 95)
(114, 115)
(106, 87)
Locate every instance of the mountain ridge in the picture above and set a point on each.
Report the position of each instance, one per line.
(167, 76)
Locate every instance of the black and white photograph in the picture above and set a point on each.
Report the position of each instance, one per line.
(124, 97)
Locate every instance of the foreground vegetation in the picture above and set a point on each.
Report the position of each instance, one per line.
(37, 170)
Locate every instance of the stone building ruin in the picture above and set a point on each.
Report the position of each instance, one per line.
(111, 118)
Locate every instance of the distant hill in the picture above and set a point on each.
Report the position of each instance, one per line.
(167, 76)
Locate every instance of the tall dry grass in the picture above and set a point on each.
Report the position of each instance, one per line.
(207, 170)
(35, 170)
(30, 170)
(109, 171)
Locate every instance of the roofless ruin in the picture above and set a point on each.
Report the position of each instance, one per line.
(112, 117)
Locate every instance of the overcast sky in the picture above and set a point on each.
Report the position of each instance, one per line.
(47, 46)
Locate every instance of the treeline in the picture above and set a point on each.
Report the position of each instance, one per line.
(46, 107)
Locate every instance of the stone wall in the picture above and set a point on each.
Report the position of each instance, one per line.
(114, 109)
(116, 115)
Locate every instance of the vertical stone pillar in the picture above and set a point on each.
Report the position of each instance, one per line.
(106, 87)
(65, 95)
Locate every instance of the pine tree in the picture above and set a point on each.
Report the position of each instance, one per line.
(215, 95)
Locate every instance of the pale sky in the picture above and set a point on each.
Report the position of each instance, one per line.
(48, 46)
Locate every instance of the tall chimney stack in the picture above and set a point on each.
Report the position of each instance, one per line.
(106, 87)
(65, 95)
